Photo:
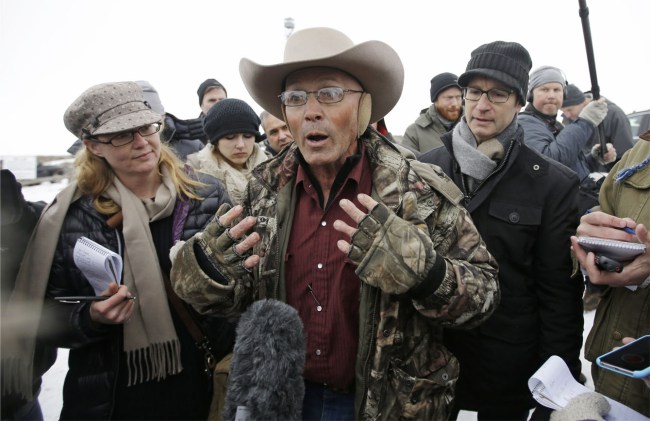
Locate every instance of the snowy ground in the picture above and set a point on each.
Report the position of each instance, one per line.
(50, 398)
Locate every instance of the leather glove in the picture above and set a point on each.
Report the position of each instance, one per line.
(594, 112)
(394, 254)
(219, 247)
(588, 406)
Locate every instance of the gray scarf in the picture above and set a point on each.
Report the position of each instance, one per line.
(478, 161)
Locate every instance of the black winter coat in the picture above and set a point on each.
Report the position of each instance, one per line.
(525, 212)
(95, 380)
(17, 221)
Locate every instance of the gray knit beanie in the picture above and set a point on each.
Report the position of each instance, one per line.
(542, 75)
(230, 116)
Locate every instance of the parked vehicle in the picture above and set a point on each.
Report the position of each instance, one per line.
(52, 168)
(640, 122)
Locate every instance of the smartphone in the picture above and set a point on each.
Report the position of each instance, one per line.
(631, 360)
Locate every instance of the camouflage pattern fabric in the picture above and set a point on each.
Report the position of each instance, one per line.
(402, 368)
(393, 254)
(218, 247)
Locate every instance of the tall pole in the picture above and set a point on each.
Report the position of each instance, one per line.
(595, 89)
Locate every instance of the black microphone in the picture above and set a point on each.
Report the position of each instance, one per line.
(266, 371)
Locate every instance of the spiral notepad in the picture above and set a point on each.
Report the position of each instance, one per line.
(99, 265)
(621, 251)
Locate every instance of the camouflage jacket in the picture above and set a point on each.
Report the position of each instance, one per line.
(402, 368)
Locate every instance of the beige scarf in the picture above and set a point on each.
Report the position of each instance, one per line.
(150, 340)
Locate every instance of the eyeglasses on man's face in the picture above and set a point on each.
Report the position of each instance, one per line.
(124, 138)
(494, 95)
(330, 95)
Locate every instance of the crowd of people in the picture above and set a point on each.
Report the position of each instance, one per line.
(432, 272)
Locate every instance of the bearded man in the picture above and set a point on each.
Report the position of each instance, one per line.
(443, 114)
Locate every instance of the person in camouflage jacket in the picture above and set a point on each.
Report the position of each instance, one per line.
(420, 261)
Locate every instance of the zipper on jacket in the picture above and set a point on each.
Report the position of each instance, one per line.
(367, 362)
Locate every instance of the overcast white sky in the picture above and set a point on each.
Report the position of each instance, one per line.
(52, 50)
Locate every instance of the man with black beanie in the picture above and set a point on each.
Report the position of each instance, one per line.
(210, 92)
(524, 207)
(443, 114)
(615, 127)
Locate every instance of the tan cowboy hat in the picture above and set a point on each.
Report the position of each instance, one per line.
(373, 63)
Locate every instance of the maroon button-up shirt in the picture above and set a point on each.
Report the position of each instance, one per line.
(320, 279)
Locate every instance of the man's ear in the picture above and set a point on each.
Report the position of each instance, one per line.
(363, 116)
(93, 148)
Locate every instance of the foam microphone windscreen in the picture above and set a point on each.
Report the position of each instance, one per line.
(266, 371)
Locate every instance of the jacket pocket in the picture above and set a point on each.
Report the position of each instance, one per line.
(511, 230)
(515, 213)
(421, 398)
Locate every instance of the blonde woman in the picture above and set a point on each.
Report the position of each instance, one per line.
(233, 132)
(129, 358)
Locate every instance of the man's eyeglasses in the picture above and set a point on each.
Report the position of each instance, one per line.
(330, 95)
(124, 138)
(496, 96)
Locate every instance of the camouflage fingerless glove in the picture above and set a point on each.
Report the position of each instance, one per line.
(394, 254)
(219, 248)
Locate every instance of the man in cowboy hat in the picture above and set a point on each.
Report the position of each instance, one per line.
(374, 251)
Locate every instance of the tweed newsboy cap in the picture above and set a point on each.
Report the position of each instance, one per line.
(109, 108)
(506, 62)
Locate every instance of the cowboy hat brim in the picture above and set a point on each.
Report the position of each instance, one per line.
(373, 63)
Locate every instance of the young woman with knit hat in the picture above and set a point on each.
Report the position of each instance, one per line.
(233, 132)
(129, 358)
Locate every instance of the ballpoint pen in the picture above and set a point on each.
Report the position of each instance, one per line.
(626, 229)
(78, 299)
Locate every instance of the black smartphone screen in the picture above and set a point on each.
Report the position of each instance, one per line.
(632, 357)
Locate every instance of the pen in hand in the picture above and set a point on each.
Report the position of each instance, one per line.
(629, 230)
(80, 299)
(626, 229)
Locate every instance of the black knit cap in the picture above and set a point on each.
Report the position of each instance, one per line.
(441, 82)
(506, 62)
(209, 83)
(230, 116)
(574, 96)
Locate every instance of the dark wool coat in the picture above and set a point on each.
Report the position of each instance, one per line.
(525, 211)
